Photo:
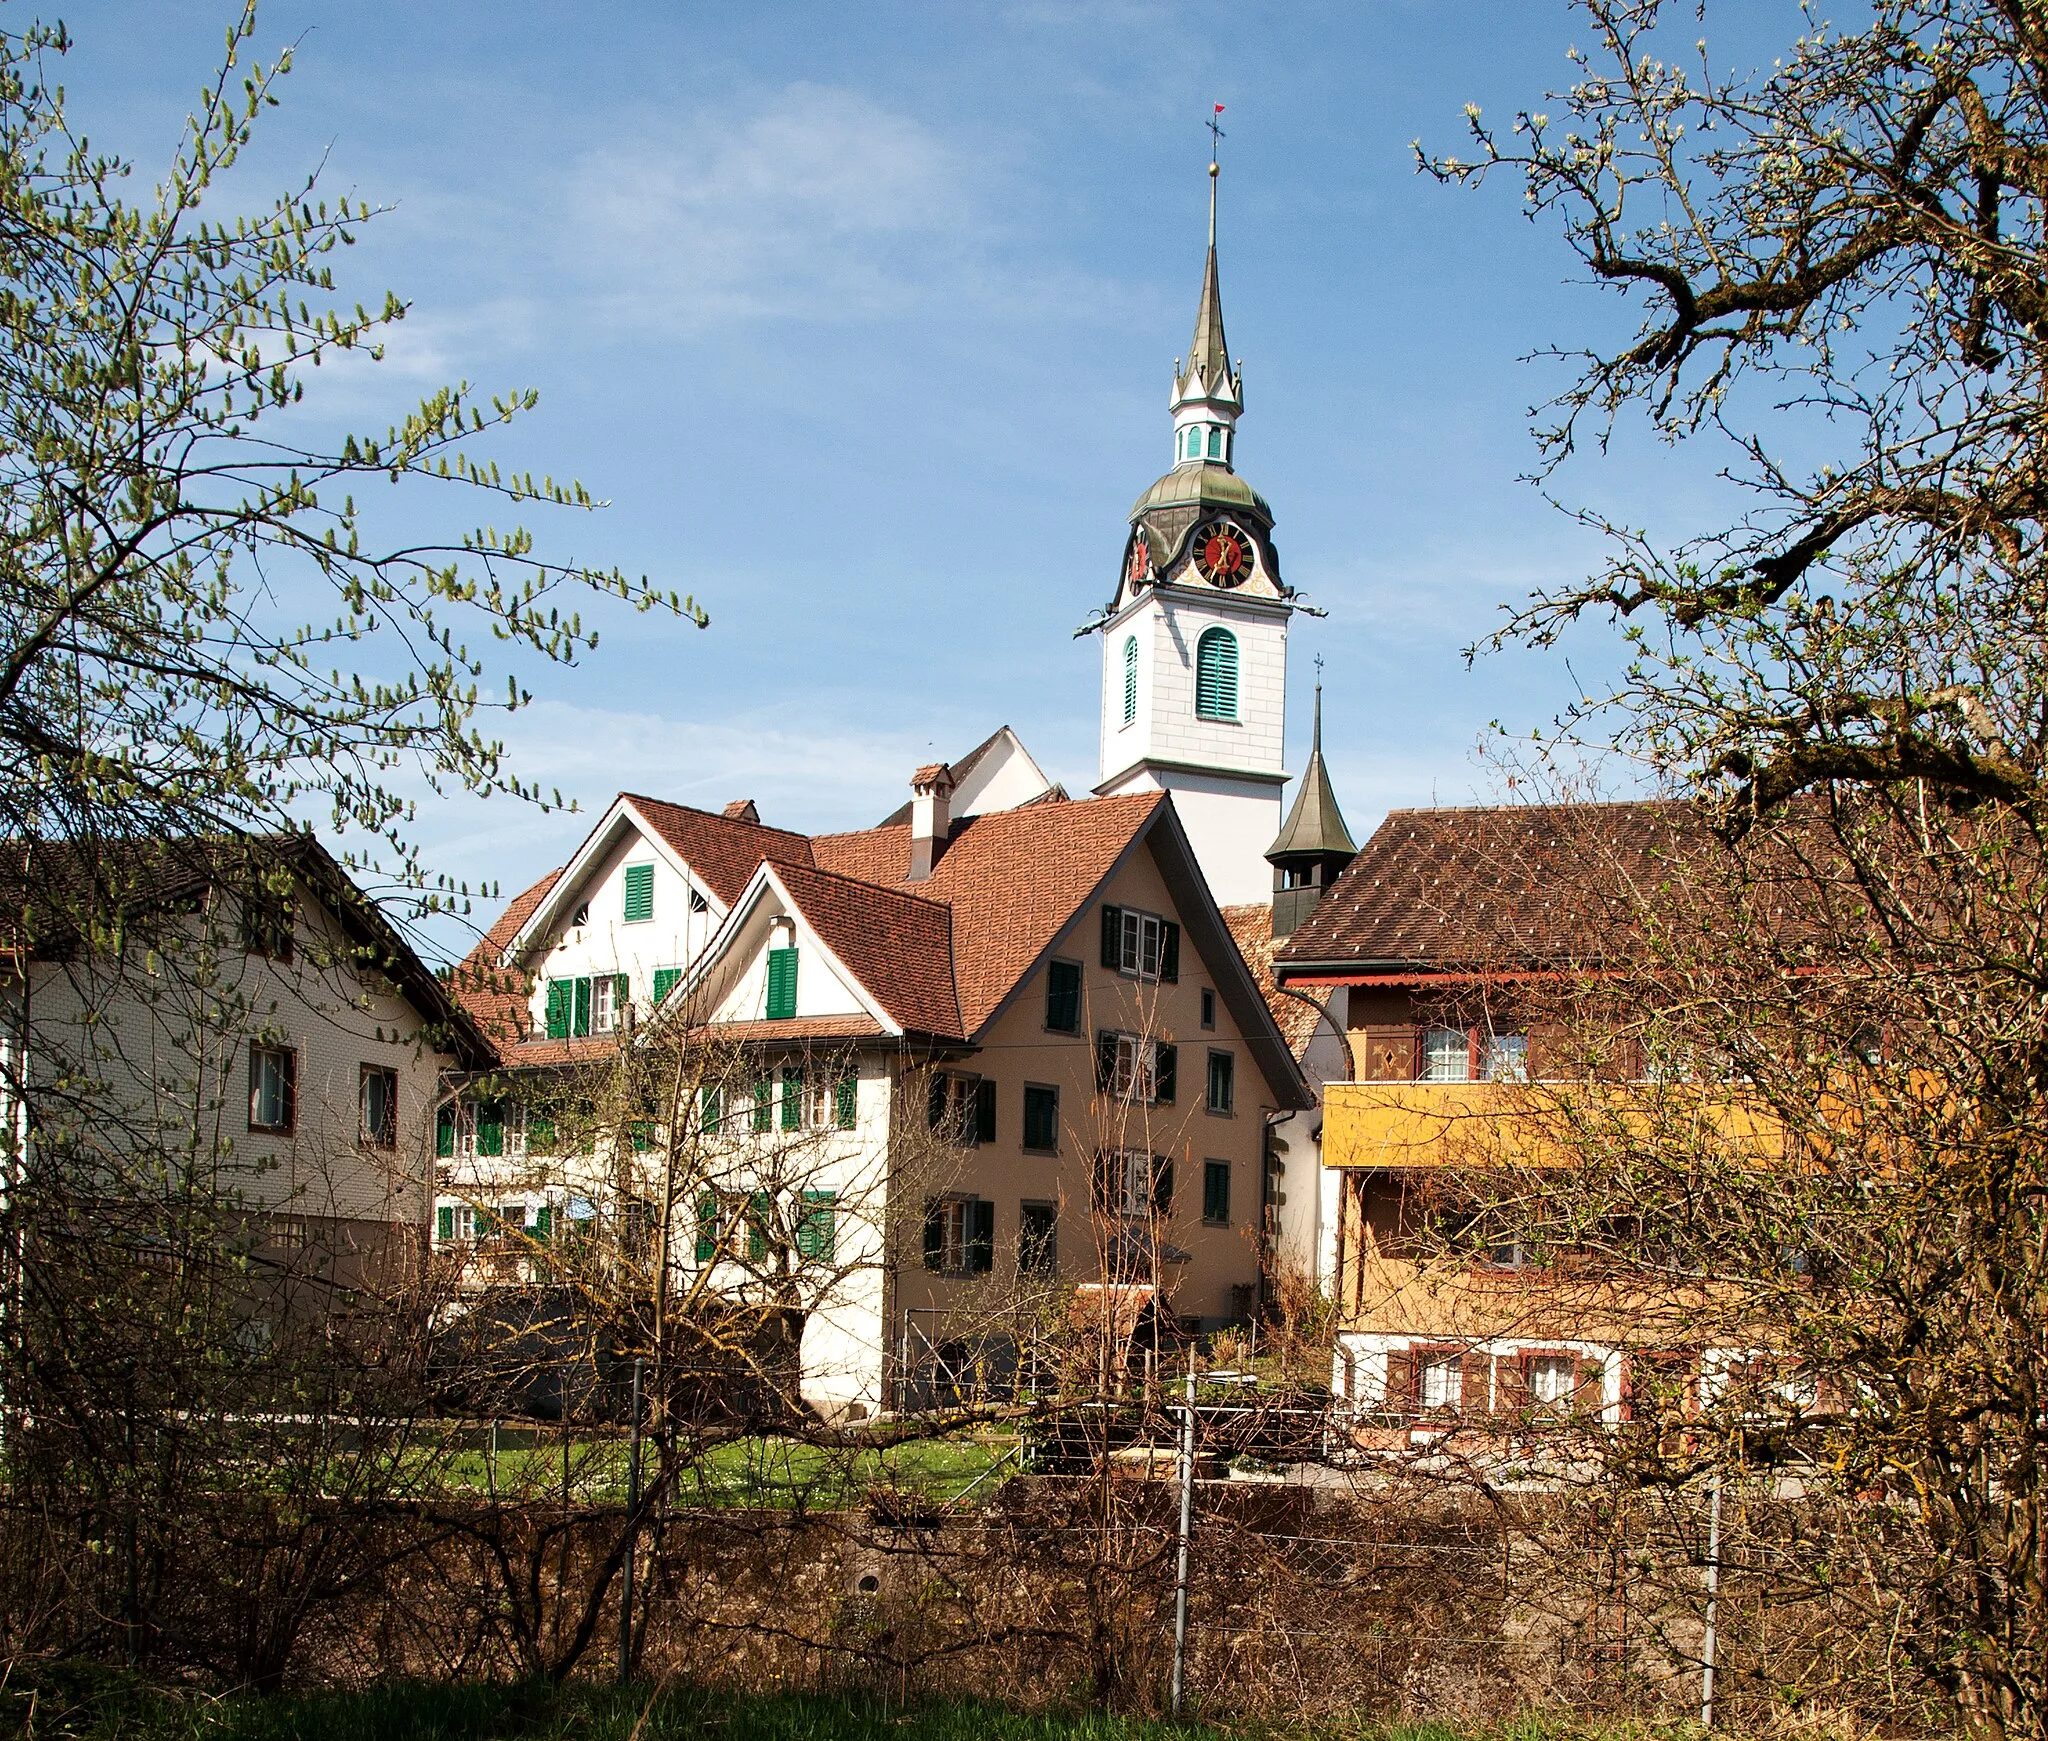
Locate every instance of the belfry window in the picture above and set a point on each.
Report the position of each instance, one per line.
(1130, 679)
(1216, 675)
(1215, 441)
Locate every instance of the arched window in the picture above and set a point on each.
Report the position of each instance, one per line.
(1216, 675)
(1216, 441)
(1130, 679)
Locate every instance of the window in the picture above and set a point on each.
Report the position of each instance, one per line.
(1133, 1184)
(1440, 1379)
(698, 904)
(817, 1231)
(1552, 1378)
(1208, 1007)
(1038, 1239)
(1216, 675)
(576, 1007)
(273, 1088)
(1216, 1193)
(1130, 678)
(665, 982)
(378, 1107)
(1136, 1069)
(1446, 1055)
(454, 1223)
(959, 1235)
(267, 927)
(1504, 1058)
(1215, 441)
(1041, 1117)
(962, 1109)
(1222, 1082)
(1063, 997)
(781, 984)
(816, 1099)
(1140, 945)
(581, 916)
(639, 893)
(488, 1128)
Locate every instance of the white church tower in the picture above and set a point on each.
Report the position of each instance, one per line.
(1194, 644)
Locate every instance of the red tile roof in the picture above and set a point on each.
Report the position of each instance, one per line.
(1251, 928)
(723, 850)
(1499, 887)
(1013, 878)
(496, 996)
(897, 944)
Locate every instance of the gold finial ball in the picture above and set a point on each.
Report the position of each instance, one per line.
(1212, 169)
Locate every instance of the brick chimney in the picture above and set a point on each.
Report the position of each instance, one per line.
(931, 817)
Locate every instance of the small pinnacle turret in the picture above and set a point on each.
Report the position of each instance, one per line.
(1208, 393)
(1313, 845)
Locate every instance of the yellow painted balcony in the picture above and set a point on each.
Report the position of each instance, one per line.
(1418, 1125)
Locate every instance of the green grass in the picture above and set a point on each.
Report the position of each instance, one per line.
(69, 1703)
(749, 1472)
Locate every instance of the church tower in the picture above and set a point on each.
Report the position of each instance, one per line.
(1194, 642)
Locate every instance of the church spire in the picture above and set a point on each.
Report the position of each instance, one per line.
(1313, 845)
(1209, 394)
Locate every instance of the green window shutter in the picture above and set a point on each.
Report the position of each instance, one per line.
(543, 1222)
(846, 1101)
(1165, 1070)
(1216, 1192)
(792, 1097)
(622, 997)
(540, 1135)
(1112, 937)
(764, 1103)
(444, 1220)
(640, 1132)
(707, 1227)
(713, 1103)
(1105, 1060)
(560, 995)
(639, 893)
(664, 981)
(1041, 1116)
(816, 1233)
(1131, 676)
(981, 1237)
(1063, 997)
(1216, 675)
(1169, 952)
(759, 1211)
(490, 1129)
(984, 1111)
(935, 1103)
(1162, 1184)
(781, 984)
(934, 1234)
(444, 1132)
(579, 1024)
(1222, 1082)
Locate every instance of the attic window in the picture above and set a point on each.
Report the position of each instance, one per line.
(581, 916)
(698, 904)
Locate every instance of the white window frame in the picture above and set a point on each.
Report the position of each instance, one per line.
(1141, 944)
(952, 1215)
(1440, 1380)
(1136, 1076)
(1504, 1057)
(1446, 1055)
(604, 1012)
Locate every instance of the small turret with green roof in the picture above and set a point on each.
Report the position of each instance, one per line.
(1313, 846)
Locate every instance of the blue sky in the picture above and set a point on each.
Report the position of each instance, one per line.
(862, 319)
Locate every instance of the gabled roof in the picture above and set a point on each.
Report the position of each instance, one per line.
(1251, 927)
(899, 946)
(723, 850)
(1496, 887)
(495, 995)
(1004, 747)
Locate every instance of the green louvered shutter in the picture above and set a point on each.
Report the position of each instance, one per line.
(622, 998)
(1216, 675)
(781, 984)
(707, 1227)
(639, 893)
(1169, 952)
(713, 1113)
(1165, 1074)
(759, 1210)
(543, 1222)
(444, 1132)
(490, 1129)
(444, 1220)
(846, 1101)
(579, 1024)
(664, 981)
(817, 1233)
(540, 1135)
(792, 1097)
(764, 1104)
(1112, 937)
(560, 998)
(981, 1237)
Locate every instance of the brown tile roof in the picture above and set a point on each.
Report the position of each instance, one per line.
(802, 1028)
(1013, 879)
(723, 850)
(1251, 928)
(897, 944)
(496, 996)
(1503, 886)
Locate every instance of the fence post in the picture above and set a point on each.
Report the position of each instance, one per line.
(632, 1535)
(1187, 1518)
(1708, 1641)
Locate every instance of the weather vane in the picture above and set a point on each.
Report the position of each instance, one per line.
(1215, 137)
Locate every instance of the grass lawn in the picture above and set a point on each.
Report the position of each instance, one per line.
(95, 1705)
(763, 1472)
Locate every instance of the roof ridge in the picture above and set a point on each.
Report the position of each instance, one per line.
(861, 882)
(713, 815)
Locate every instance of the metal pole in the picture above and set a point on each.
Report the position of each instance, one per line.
(632, 1534)
(1187, 1519)
(1707, 1643)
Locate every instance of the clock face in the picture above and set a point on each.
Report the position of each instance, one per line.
(1223, 554)
(1139, 569)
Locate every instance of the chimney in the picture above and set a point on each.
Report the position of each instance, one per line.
(931, 817)
(742, 810)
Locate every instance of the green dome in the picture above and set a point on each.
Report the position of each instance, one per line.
(1204, 485)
